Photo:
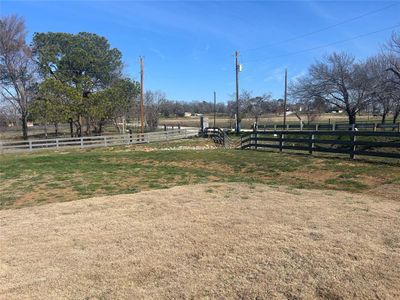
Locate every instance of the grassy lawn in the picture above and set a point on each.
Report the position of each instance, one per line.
(43, 177)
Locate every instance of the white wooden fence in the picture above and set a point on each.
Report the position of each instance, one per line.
(94, 141)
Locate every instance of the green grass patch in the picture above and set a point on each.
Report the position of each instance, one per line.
(109, 171)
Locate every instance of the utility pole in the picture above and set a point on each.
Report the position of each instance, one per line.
(141, 95)
(285, 100)
(237, 93)
(215, 103)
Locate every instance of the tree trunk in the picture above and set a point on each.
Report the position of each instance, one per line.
(352, 118)
(88, 131)
(396, 115)
(383, 118)
(100, 127)
(56, 129)
(78, 125)
(71, 127)
(24, 126)
(78, 129)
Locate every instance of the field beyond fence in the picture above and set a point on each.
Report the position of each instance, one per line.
(333, 126)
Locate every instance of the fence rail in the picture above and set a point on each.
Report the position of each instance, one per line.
(333, 127)
(93, 141)
(370, 143)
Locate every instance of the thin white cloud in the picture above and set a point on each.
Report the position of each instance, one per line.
(277, 74)
(158, 53)
(320, 11)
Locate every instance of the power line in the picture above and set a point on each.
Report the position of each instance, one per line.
(322, 29)
(324, 45)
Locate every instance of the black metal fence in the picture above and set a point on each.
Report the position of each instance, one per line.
(351, 142)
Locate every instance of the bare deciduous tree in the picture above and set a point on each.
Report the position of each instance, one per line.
(17, 76)
(393, 56)
(8, 116)
(153, 104)
(383, 90)
(311, 107)
(256, 106)
(339, 81)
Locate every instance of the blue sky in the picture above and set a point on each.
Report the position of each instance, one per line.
(189, 46)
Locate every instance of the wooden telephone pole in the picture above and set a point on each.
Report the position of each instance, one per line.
(215, 103)
(285, 100)
(237, 93)
(141, 95)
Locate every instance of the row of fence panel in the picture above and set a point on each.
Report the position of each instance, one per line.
(370, 143)
(93, 141)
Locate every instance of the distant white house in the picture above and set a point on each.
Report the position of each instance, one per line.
(187, 114)
(336, 111)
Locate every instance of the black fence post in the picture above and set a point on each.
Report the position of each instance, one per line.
(352, 142)
(255, 139)
(311, 144)
(280, 141)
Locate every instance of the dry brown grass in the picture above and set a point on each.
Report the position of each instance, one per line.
(219, 241)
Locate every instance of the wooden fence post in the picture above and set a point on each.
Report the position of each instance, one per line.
(1, 147)
(316, 127)
(81, 142)
(30, 145)
(311, 144)
(255, 139)
(274, 127)
(375, 126)
(281, 136)
(333, 126)
(56, 143)
(352, 142)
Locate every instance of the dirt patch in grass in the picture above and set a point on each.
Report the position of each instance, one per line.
(313, 175)
(388, 191)
(42, 195)
(217, 240)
